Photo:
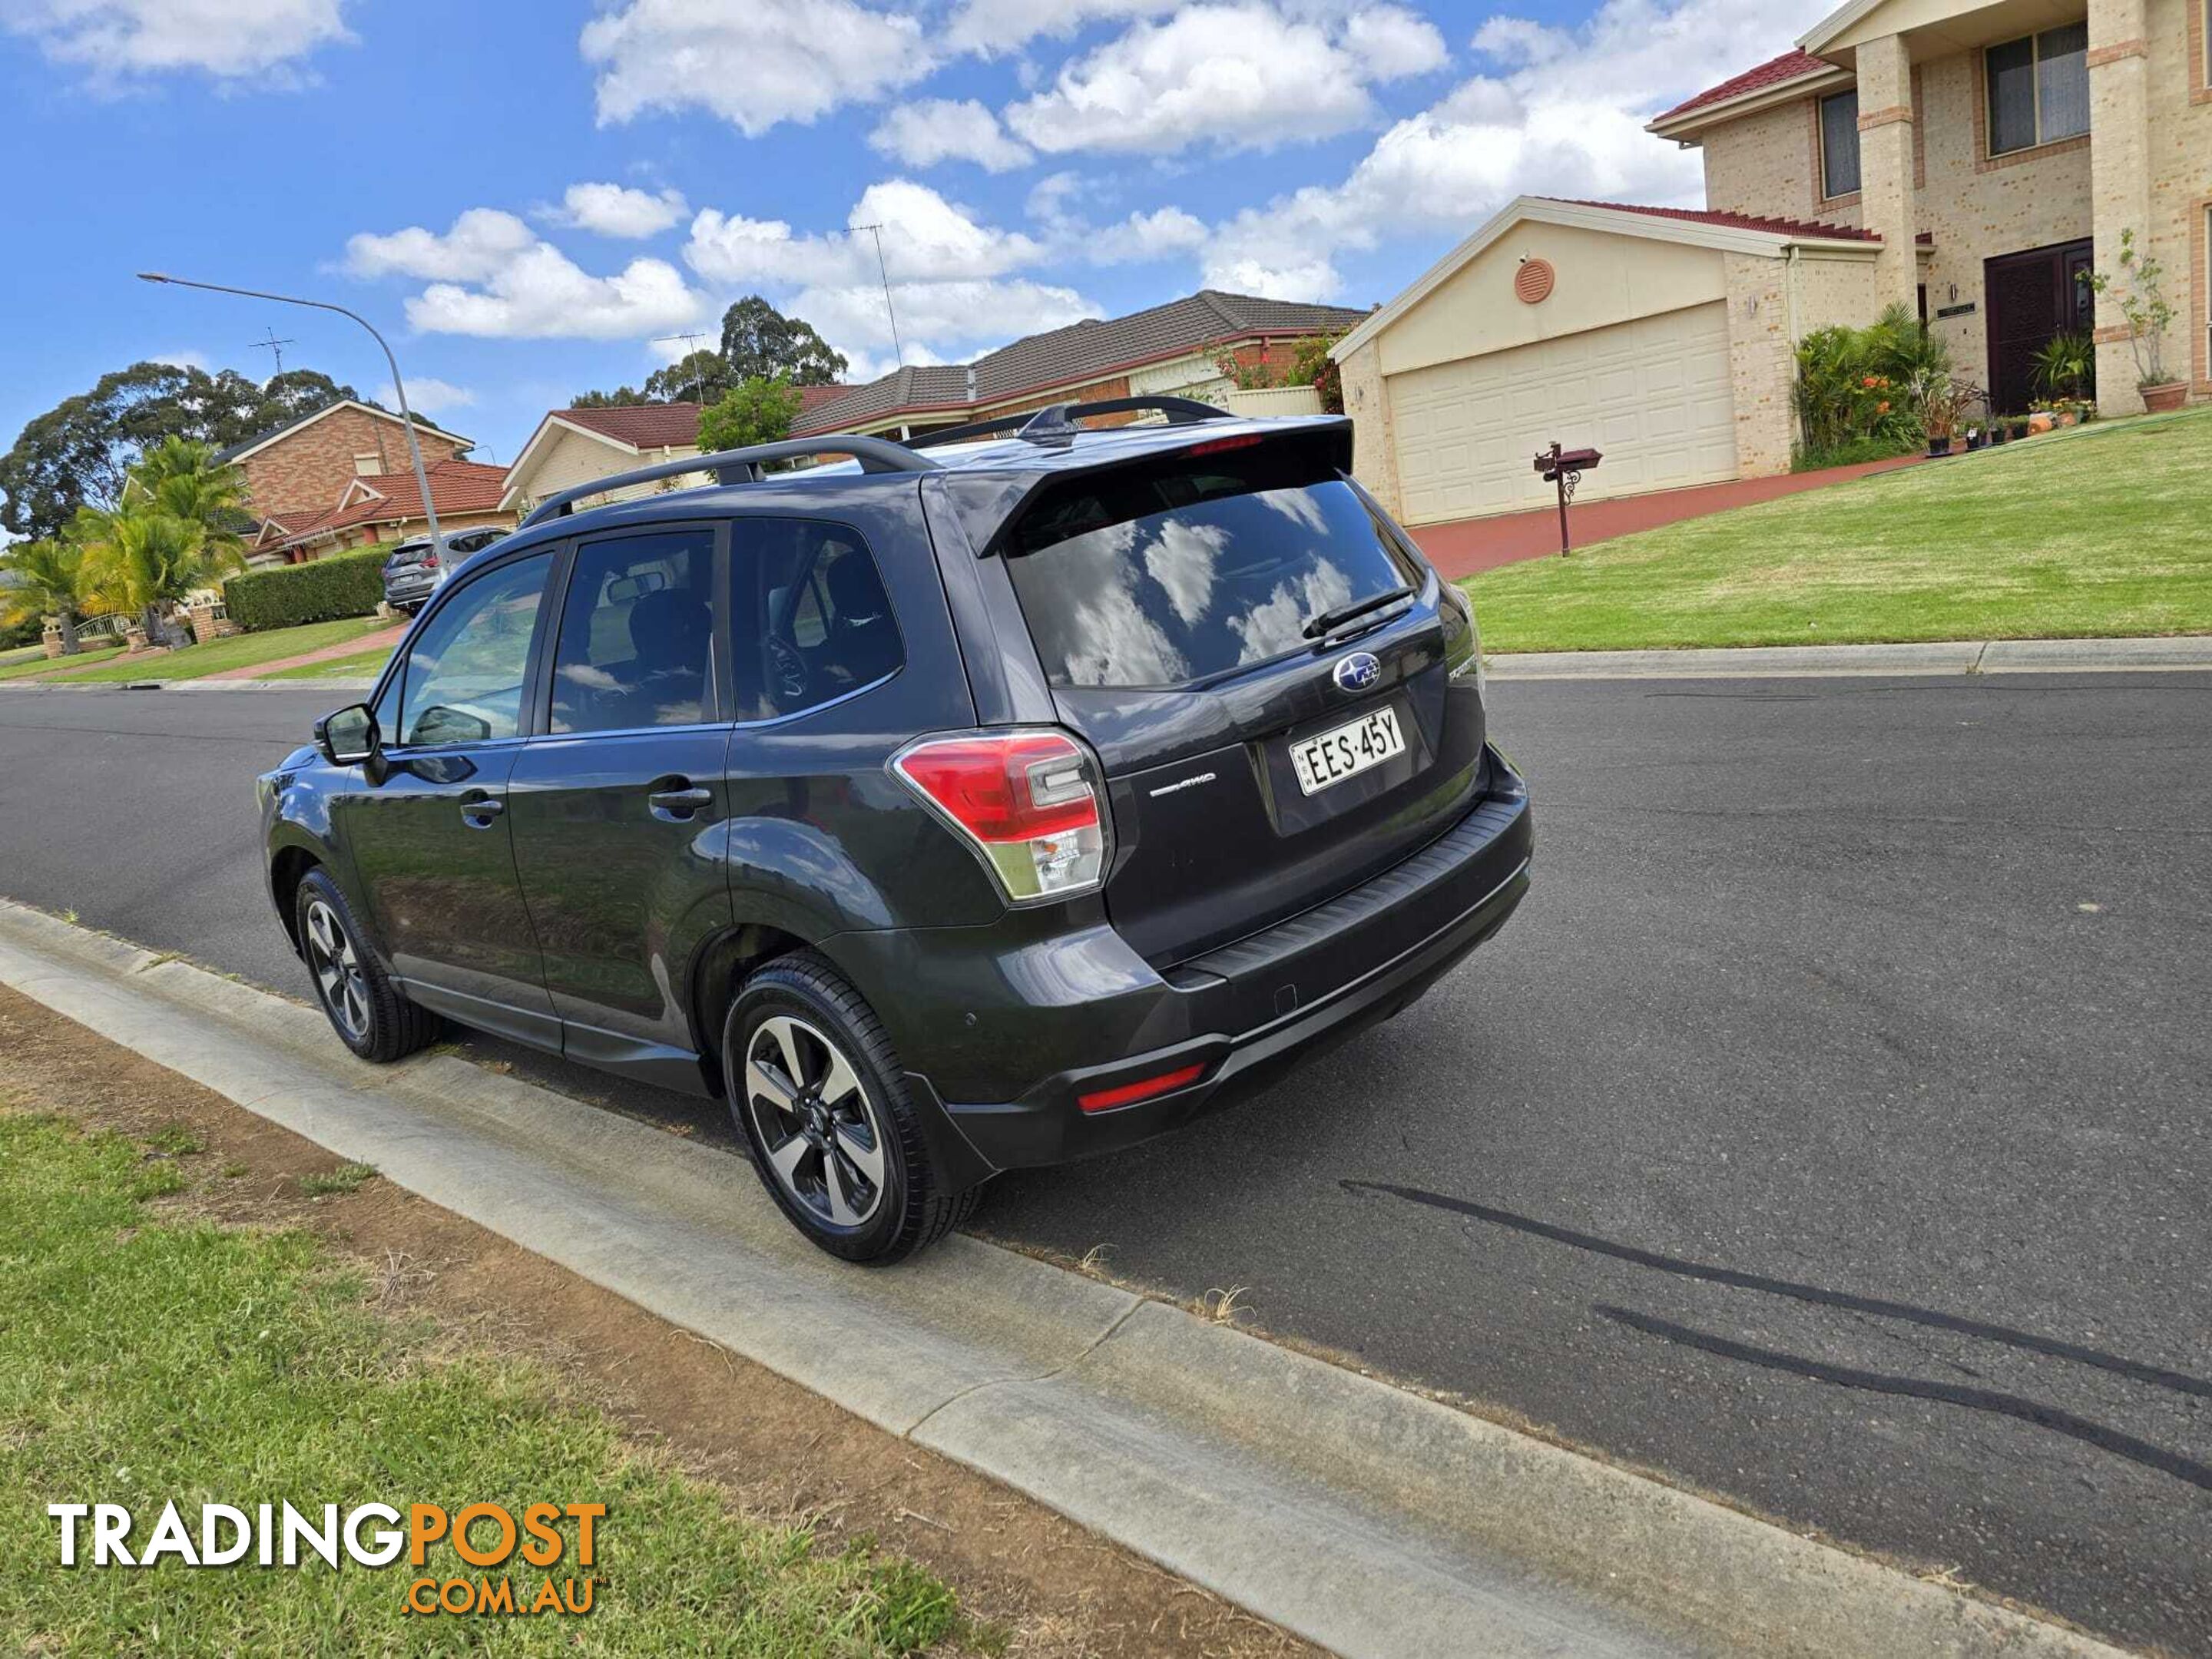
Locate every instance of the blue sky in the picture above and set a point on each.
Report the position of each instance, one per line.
(523, 193)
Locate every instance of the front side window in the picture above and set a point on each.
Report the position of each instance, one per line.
(465, 675)
(636, 644)
(2038, 88)
(813, 620)
(1193, 566)
(1839, 143)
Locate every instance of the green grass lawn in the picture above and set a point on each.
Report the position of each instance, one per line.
(239, 651)
(150, 1356)
(22, 664)
(2101, 531)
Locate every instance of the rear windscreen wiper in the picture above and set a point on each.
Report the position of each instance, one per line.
(1345, 613)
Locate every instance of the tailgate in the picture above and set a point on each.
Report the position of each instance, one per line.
(1258, 761)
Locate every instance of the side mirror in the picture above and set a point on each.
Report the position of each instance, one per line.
(347, 736)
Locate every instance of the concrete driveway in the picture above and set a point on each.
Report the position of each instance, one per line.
(1829, 1132)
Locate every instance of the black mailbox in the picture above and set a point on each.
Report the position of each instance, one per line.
(1566, 460)
(1564, 467)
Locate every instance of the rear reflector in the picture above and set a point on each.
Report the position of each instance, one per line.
(1128, 1094)
(1030, 800)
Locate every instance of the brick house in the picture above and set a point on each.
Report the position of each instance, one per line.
(1167, 349)
(374, 507)
(572, 446)
(1972, 162)
(299, 468)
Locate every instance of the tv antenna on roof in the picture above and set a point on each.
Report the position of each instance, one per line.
(698, 386)
(883, 272)
(274, 347)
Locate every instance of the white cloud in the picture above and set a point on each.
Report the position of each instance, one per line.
(925, 238)
(482, 241)
(934, 318)
(1159, 234)
(1240, 77)
(951, 275)
(230, 40)
(428, 395)
(753, 63)
(542, 294)
(616, 210)
(1392, 42)
(181, 358)
(1563, 116)
(991, 27)
(934, 130)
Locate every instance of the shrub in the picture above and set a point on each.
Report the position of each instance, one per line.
(1851, 381)
(323, 590)
(754, 411)
(2066, 365)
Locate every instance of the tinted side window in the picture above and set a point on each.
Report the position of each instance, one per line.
(636, 641)
(465, 672)
(813, 621)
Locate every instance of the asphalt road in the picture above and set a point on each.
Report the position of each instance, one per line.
(1830, 1130)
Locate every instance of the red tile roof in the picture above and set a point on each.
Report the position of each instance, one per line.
(456, 487)
(643, 426)
(1792, 65)
(1798, 227)
(1092, 349)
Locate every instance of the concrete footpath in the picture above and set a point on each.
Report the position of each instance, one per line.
(1359, 1516)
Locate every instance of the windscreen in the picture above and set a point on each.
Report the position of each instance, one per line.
(1194, 565)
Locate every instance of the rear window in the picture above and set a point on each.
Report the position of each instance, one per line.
(1191, 567)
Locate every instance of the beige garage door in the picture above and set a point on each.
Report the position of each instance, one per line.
(1652, 394)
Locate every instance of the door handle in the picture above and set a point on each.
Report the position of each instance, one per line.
(677, 800)
(479, 808)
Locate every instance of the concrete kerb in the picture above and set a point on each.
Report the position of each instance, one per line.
(1359, 1516)
(1940, 657)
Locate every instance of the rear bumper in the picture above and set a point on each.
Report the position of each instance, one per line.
(1246, 1012)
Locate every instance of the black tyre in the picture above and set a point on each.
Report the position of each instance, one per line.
(371, 1015)
(822, 1103)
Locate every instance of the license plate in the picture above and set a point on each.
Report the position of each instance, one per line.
(1346, 752)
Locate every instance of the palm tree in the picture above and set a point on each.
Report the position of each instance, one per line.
(42, 579)
(178, 529)
(180, 477)
(139, 561)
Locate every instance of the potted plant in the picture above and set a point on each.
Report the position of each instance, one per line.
(1942, 403)
(2144, 306)
(2065, 367)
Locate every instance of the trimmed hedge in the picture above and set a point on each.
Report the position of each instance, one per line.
(323, 590)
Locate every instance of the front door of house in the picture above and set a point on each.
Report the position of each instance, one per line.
(2031, 297)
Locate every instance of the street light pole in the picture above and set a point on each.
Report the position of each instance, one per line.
(406, 415)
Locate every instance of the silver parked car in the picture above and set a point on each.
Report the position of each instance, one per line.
(420, 566)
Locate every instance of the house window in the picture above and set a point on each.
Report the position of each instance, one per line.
(2038, 88)
(1839, 143)
(366, 466)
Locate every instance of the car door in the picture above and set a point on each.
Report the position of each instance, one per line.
(619, 802)
(431, 841)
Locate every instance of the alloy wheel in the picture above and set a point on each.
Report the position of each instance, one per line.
(814, 1120)
(337, 967)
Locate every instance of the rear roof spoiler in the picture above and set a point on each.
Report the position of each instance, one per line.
(988, 499)
(1055, 424)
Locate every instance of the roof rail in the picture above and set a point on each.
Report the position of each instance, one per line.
(1055, 423)
(742, 466)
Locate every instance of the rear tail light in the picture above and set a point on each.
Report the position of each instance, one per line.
(1031, 801)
